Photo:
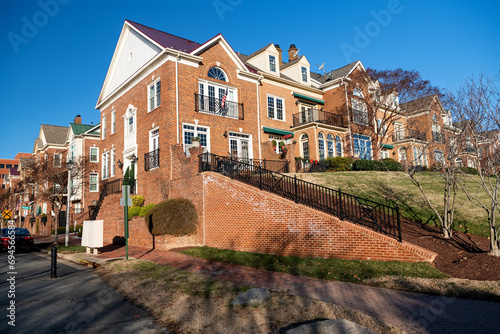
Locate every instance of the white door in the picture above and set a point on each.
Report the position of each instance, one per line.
(239, 146)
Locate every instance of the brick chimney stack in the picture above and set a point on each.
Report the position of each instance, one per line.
(280, 54)
(291, 53)
(78, 119)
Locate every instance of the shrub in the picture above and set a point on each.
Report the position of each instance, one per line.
(145, 209)
(470, 170)
(62, 230)
(137, 200)
(339, 164)
(133, 211)
(175, 216)
(392, 164)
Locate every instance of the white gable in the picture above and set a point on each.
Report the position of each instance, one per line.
(261, 60)
(131, 54)
(295, 71)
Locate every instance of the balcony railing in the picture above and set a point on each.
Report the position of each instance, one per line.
(317, 115)
(437, 137)
(152, 160)
(360, 117)
(408, 134)
(213, 105)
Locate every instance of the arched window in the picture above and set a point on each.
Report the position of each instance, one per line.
(217, 73)
(459, 162)
(338, 144)
(357, 92)
(329, 141)
(321, 145)
(402, 154)
(304, 146)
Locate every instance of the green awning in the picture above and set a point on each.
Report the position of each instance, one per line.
(309, 98)
(387, 146)
(277, 131)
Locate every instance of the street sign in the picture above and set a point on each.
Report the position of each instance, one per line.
(26, 207)
(7, 214)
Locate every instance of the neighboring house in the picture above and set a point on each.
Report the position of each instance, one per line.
(5, 166)
(83, 142)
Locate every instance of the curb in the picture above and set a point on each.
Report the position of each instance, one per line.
(73, 259)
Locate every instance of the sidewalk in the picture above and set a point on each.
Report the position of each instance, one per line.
(412, 312)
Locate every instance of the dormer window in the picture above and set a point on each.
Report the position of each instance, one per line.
(217, 73)
(272, 63)
(304, 74)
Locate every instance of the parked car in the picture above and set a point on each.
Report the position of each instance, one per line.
(22, 237)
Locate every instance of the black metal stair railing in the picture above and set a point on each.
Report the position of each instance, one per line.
(377, 216)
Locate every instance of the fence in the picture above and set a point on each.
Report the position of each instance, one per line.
(377, 216)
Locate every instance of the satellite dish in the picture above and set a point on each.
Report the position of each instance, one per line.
(296, 53)
(322, 67)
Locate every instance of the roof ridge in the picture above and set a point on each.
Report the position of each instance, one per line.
(133, 22)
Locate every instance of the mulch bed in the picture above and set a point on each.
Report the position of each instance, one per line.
(463, 256)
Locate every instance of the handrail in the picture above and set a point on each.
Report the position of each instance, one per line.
(377, 216)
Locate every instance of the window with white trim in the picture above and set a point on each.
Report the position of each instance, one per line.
(338, 146)
(189, 131)
(275, 108)
(113, 122)
(217, 73)
(112, 163)
(94, 154)
(272, 63)
(362, 146)
(381, 129)
(105, 165)
(321, 145)
(94, 182)
(130, 124)
(154, 94)
(384, 153)
(304, 73)
(154, 139)
(329, 144)
(211, 99)
(304, 146)
(57, 160)
(103, 127)
(360, 115)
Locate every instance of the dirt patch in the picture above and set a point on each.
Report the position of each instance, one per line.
(191, 303)
(463, 256)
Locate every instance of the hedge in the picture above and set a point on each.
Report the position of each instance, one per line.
(339, 164)
(177, 216)
(384, 165)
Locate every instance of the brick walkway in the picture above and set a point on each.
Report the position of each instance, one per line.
(412, 312)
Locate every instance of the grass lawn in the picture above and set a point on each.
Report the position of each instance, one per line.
(396, 188)
(70, 249)
(332, 269)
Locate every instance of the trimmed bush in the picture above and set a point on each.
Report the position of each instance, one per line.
(386, 164)
(137, 200)
(62, 230)
(339, 164)
(176, 216)
(145, 209)
(133, 211)
(392, 164)
(470, 170)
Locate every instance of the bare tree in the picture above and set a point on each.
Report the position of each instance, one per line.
(51, 182)
(478, 103)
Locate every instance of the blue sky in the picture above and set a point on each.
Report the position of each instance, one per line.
(55, 53)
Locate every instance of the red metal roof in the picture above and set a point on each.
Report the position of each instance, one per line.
(166, 40)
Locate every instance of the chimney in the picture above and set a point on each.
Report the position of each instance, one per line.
(280, 54)
(291, 53)
(78, 119)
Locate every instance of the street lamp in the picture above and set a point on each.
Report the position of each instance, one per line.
(69, 165)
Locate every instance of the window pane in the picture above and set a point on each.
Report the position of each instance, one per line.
(279, 109)
(270, 107)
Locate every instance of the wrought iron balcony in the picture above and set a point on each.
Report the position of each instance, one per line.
(316, 115)
(408, 134)
(152, 160)
(360, 117)
(213, 105)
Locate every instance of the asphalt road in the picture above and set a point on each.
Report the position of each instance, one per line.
(78, 301)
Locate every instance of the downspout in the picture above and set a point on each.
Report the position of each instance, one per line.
(258, 115)
(348, 117)
(177, 93)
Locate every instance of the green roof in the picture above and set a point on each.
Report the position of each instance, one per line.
(78, 129)
(309, 98)
(277, 131)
